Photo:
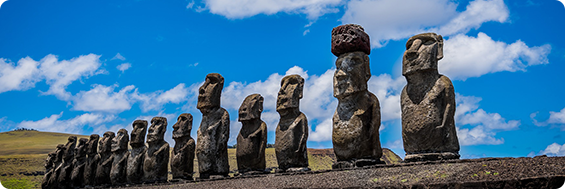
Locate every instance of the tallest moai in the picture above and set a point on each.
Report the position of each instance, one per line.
(357, 119)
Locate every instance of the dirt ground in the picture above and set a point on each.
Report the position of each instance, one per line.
(538, 172)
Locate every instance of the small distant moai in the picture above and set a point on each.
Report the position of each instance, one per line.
(182, 158)
(427, 102)
(214, 130)
(156, 163)
(64, 180)
(252, 138)
(357, 119)
(56, 169)
(104, 159)
(118, 173)
(49, 168)
(292, 130)
(92, 160)
(79, 164)
(137, 154)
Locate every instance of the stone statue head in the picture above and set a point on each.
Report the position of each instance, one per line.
(138, 133)
(422, 53)
(120, 142)
(92, 145)
(70, 148)
(351, 74)
(80, 151)
(183, 126)
(105, 145)
(59, 153)
(291, 92)
(156, 132)
(50, 160)
(210, 92)
(251, 108)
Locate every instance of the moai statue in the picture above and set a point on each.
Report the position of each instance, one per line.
(182, 158)
(252, 138)
(156, 163)
(66, 170)
(56, 169)
(137, 154)
(214, 131)
(357, 119)
(292, 131)
(92, 160)
(104, 159)
(118, 173)
(49, 168)
(79, 164)
(427, 102)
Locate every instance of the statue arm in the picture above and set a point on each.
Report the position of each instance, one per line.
(263, 132)
(449, 100)
(375, 125)
(225, 124)
(304, 126)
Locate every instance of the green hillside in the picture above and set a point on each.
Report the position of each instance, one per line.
(31, 142)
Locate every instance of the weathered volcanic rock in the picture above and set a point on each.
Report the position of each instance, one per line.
(104, 159)
(79, 163)
(350, 38)
(49, 168)
(214, 130)
(252, 138)
(66, 168)
(137, 154)
(292, 130)
(118, 173)
(182, 158)
(427, 102)
(52, 182)
(92, 160)
(357, 119)
(156, 163)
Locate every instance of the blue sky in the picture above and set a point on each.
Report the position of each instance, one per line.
(91, 66)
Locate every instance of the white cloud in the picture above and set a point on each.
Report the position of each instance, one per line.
(104, 99)
(190, 5)
(60, 74)
(18, 77)
(386, 20)
(476, 13)
(466, 56)
(118, 57)
(73, 125)
(156, 100)
(554, 118)
(388, 91)
(554, 150)
(57, 74)
(123, 67)
(235, 9)
(483, 126)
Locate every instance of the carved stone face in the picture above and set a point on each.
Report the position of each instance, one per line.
(290, 92)
(120, 142)
(351, 74)
(138, 133)
(183, 127)
(210, 92)
(157, 129)
(70, 148)
(92, 145)
(59, 153)
(251, 108)
(81, 148)
(422, 53)
(106, 142)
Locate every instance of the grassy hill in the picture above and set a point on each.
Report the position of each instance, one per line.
(22, 155)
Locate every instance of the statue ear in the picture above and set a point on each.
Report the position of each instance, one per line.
(440, 47)
(300, 88)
